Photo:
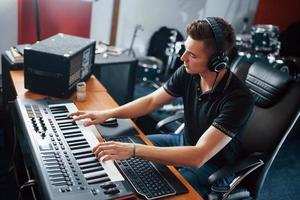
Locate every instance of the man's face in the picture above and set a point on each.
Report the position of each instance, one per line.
(196, 56)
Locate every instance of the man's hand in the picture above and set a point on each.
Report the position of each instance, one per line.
(96, 117)
(114, 150)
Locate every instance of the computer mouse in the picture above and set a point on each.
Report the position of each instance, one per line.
(111, 122)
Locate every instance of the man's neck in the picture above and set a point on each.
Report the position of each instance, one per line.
(209, 80)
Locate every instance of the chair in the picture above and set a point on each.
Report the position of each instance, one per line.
(276, 111)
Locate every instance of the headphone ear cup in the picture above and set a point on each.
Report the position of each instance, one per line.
(212, 62)
(217, 63)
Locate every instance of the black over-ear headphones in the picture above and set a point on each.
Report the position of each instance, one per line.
(219, 60)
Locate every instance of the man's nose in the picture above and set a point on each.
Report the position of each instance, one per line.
(182, 58)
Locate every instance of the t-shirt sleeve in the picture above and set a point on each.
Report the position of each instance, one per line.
(235, 112)
(175, 85)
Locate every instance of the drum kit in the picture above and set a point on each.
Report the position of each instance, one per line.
(262, 44)
(152, 70)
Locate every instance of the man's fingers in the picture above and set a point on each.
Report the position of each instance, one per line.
(88, 123)
(109, 157)
(103, 146)
(76, 113)
(105, 153)
(83, 116)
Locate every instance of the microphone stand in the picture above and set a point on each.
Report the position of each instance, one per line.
(130, 50)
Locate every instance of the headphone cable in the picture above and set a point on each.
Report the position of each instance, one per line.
(213, 86)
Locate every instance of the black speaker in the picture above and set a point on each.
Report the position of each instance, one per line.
(55, 65)
(118, 75)
(219, 60)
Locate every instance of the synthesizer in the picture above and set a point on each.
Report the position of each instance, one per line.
(61, 157)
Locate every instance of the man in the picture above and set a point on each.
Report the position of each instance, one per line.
(216, 107)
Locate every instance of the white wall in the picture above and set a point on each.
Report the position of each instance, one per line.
(152, 14)
(101, 20)
(8, 24)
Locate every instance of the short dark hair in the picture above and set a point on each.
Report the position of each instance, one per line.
(200, 30)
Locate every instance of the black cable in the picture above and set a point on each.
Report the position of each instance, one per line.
(29, 183)
(213, 86)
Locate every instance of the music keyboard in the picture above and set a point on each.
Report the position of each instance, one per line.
(60, 150)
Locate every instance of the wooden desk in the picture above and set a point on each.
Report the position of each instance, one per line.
(97, 99)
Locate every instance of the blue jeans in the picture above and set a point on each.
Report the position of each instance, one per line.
(197, 177)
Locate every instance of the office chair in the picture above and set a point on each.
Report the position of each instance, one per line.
(276, 111)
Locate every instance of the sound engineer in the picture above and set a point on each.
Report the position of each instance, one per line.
(217, 106)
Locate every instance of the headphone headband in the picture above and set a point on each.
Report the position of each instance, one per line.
(218, 34)
(219, 60)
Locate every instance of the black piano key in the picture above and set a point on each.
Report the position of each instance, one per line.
(88, 155)
(68, 128)
(66, 123)
(99, 180)
(66, 116)
(63, 116)
(90, 165)
(72, 132)
(54, 112)
(63, 120)
(72, 135)
(75, 144)
(92, 169)
(57, 111)
(86, 161)
(86, 145)
(57, 107)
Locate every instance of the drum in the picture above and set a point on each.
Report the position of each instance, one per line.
(264, 38)
(149, 69)
(243, 42)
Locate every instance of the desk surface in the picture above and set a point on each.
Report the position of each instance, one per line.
(97, 99)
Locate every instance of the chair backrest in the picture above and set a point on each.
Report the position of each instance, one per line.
(277, 108)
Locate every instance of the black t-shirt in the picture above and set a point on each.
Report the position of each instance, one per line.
(227, 107)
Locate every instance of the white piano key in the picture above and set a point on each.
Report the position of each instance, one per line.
(93, 175)
(89, 134)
